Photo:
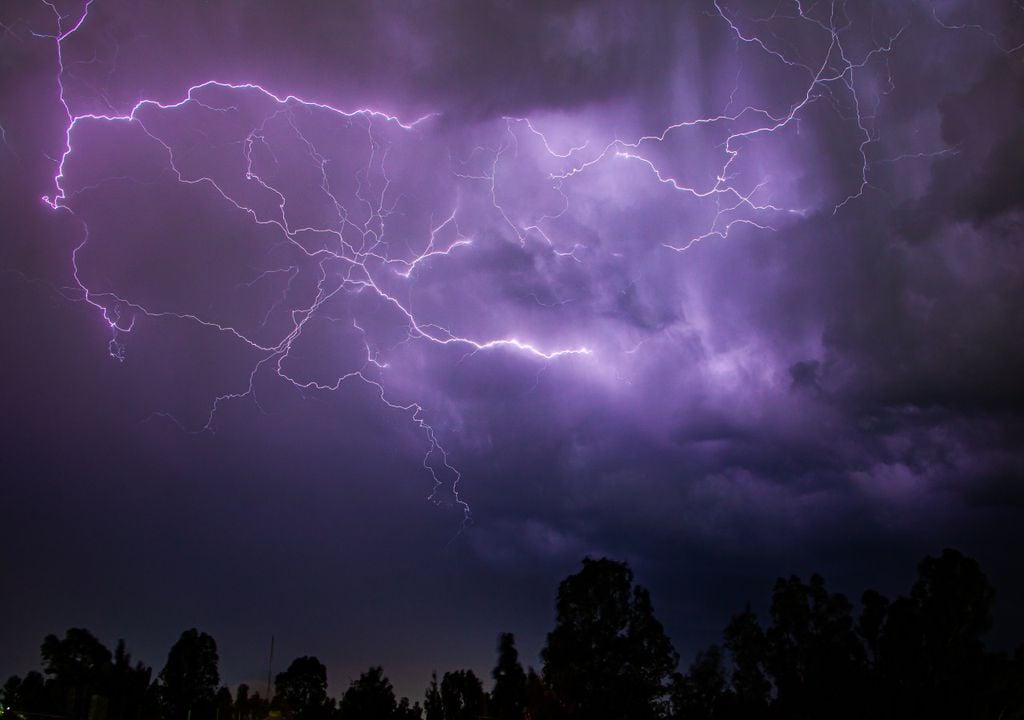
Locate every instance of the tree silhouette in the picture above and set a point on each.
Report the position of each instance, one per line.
(405, 711)
(917, 656)
(249, 706)
(701, 694)
(79, 667)
(608, 657)
(929, 654)
(433, 707)
(541, 703)
(508, 697)
(27, 695)
(302, 688)
(241, 704)
(462, 695)
(223, 705)
(371, 697)
(189, 680)
(746, 644)
(84, 681)
(813, 654)
(130, 696)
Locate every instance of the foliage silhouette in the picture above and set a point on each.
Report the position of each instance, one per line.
(84, 682)
(371, 697)
(508, 698)
(607, 658)
(462, 696)
(249, 706)
(701, 693)
(302, 689)
(79, 667)
(917, 656)
(405, 711)
(188, 683)
(433, 706)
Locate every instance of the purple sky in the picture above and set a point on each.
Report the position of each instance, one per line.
(361, 324)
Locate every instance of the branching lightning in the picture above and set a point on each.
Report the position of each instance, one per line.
(353, 255)
(120, 313)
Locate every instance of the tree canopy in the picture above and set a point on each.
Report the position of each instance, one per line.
(508, 698)
(813, 654)
(371, 697)
(188, 683)
(608, 657)
(916, 656)
(302, 688)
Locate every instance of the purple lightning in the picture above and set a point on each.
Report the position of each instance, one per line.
(353, 252)
(120, 313)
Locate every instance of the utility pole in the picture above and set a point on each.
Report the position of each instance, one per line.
(270, 665)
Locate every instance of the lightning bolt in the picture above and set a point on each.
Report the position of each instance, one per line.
(343, 266)
(353, 253)
(977, 27)
(835, 71)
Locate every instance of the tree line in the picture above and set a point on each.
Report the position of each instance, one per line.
(607, 658)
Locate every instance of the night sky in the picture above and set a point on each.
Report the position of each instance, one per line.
(360, 324)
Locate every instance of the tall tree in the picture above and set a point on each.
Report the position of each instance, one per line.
(508, 697)
(79, 666)
(28, 696)
(249, 705)
(130, 696)
(462, 695)
(405, 711)
(608, 657)
(813, 655)
(371, 697)
(302, 688)
(917, 656)
(745, 641)
(433, 706)
(189, 680)
(241, 704)
(224, 705)
(701, 694)
(541, 703)
(931, 659)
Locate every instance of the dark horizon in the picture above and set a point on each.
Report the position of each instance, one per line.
(410, 682)
(360, 326)
(815, 653)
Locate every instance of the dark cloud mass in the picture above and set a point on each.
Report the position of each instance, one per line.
(802, 315)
